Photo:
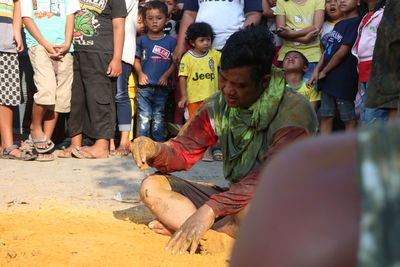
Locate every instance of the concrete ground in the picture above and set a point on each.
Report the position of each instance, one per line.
(90, 183)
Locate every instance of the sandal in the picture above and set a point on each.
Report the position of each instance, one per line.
(25, 154)
(44, 139)
(45, 159)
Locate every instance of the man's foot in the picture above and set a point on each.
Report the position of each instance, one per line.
(160, 228)
(90, 152)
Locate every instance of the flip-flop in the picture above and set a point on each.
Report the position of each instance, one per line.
(46, 159)
(42, 140)
(26, 155)
(78, 155)
(64, 154)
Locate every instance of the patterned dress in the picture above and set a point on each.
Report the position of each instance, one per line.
(10, 92)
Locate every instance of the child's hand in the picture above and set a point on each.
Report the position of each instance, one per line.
(321, 75)
(310, 37)
(163, 81)
(19, 43)
(114, 68)
(62, 49)
(183, 102)
(313, 79)
(51, 51)
(143, 79)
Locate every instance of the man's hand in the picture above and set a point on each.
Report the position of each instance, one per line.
(143, 149)
(322, 75)
(191, 231)
(114, 68)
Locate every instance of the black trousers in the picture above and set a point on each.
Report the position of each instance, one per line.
(93, 109)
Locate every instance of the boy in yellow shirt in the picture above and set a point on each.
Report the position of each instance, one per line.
(296, 65)
(198, 69)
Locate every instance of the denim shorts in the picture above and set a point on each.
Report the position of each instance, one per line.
(330, 105)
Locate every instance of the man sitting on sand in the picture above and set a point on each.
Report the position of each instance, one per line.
(253, 116)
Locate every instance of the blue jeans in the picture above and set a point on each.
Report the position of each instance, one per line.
(370, 115)
(124, 110)
(151, 102)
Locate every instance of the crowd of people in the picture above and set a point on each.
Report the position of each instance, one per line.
(238, 80)
(140, 66)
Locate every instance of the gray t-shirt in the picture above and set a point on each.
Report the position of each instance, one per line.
(7, 43)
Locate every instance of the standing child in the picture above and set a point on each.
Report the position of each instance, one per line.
(269, 7)
(122, 100)
(336, 72)
(363, 49)
(332, 16)
(49, 28)
(299, 22)
(10, 93)
(198, 71)
(170, 26)
(295, 65)
(98, 39)
(153, 64)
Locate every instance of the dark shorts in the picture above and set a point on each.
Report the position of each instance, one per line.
(330, 105)
(198, 193)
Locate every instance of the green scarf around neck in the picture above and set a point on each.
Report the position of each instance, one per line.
(243, 131)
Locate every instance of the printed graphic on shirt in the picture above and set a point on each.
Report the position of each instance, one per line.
(6, 11)
(48, 9)
(86, 23)
(334, 35)
(161, 51)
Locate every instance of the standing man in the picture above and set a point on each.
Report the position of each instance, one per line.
(253, 116)
(225, 17)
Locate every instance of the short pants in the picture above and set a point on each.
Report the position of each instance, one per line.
(330, 105)
(198, 193)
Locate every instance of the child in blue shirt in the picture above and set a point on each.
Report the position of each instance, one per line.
(153, 65)
(336, 72)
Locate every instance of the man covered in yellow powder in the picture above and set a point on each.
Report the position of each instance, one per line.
(253, 116)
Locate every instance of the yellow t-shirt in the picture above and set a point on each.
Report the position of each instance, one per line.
(300, 16)
(201, 73)
(309, 92)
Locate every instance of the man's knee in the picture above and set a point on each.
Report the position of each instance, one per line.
(151, 186)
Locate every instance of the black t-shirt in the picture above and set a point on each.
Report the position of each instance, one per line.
(342, 80)
(93, 25)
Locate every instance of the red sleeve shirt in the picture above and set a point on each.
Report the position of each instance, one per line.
(183, 151)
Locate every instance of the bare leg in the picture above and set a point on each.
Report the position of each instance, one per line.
(38, 113)
(172, 209)
(350, 125)
(6, 129)
(326, 125)
(49, 122)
